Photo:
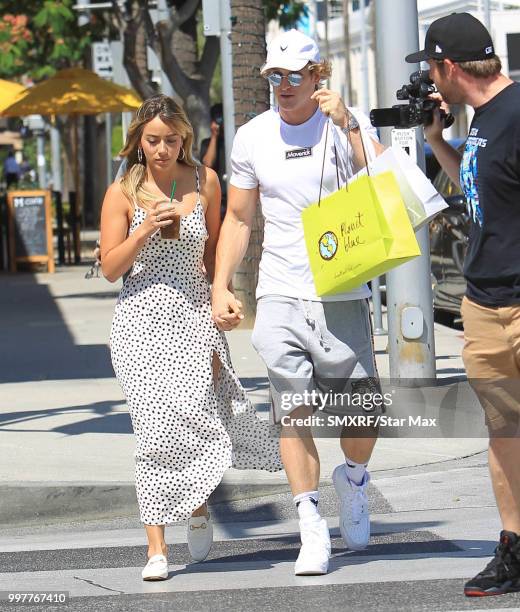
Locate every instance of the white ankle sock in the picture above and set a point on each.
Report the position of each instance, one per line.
(355, 471)
(307, 505)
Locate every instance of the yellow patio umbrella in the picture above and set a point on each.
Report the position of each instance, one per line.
(11, 92)
(74, 91)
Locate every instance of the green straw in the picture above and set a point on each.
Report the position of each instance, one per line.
(174, 187)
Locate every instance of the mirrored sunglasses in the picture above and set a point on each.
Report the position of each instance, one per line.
(295, 79)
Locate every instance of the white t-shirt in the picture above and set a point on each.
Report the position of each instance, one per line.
(285, 162)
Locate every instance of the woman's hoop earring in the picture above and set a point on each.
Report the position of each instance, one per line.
(139, 155)
(183, 155)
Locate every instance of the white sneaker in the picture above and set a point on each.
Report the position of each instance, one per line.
(156, 568)
(354, 519)
(314, 554)
(200, 537)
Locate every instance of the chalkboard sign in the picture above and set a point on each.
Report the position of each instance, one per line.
(30, 229)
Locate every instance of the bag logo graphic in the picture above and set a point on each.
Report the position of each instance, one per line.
(297, 153)
(328, 245)
(438, 49)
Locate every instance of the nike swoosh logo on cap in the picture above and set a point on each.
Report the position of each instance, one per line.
(283, 48)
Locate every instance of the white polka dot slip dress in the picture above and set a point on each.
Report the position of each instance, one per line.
(162, 343)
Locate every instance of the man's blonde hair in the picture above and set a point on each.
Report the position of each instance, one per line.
(323, 68)
(482, 69)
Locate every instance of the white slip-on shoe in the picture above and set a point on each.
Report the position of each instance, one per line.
(156, 568)
(354, 518)
(200, 537)
(313, 559)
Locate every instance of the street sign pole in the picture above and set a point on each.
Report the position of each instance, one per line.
(409, 294)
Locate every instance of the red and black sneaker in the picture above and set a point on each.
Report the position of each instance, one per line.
(502, 574)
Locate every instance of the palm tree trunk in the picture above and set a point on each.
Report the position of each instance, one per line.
(251, 96)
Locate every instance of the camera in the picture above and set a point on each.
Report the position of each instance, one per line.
(418, 111)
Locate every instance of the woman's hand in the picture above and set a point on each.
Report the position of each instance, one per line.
(226, 309)
(161, 215)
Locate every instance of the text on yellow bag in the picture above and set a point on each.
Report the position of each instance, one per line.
(358, 233)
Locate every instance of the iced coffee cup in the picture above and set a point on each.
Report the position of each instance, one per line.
(172, 231)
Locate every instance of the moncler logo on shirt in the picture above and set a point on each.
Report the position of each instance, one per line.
(297, 153)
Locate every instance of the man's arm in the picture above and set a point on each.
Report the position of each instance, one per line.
(231, 248)
(448, 157)
(208, 149)
(358, 156)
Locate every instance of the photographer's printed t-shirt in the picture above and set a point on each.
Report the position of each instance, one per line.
(490, 179)
(284, 161)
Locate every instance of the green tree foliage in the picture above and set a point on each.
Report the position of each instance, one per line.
(287, 13)
(37, 38)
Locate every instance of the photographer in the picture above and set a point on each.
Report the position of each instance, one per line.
(465, 70)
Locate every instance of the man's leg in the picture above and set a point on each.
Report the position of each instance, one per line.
(503, 458)
(299, 455)
(347, 355)
(494, 371)
(356, 447)
(302, 466)
(280, 338)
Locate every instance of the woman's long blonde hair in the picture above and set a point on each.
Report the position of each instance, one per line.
(171, 113)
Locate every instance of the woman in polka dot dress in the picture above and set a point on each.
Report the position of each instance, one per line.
(191, 417)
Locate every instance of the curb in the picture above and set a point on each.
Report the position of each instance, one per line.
(29, 503)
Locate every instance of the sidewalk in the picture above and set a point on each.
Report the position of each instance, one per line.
(65, 432)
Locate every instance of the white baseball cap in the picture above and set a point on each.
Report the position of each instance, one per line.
(291, 50)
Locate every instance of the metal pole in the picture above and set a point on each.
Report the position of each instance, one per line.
(57, 188)
(40, 159)
(126, 119)
(364, 58)
(487, 14)
(313, 20)
(409, 290)
(56, 158)
(228, 102)
(77, 207)
(326, 20)
(108, 147)
(379, 330)
(346, 43)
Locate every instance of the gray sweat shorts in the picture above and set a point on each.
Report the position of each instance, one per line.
(310, 346)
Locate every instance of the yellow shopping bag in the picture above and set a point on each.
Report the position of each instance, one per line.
(357, 233)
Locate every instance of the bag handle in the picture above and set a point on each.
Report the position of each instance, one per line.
(323, 162)
(336, 159)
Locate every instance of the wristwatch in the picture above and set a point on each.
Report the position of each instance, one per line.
(352, 124)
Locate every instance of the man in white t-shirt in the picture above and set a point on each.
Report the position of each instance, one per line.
(308, 343)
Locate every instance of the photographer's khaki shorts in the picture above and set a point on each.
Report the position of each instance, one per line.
(312, 346)
(491, 356)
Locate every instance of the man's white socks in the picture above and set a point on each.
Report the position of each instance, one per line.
(307, 505)
(355, 471)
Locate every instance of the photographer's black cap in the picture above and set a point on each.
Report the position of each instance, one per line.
(459, 37)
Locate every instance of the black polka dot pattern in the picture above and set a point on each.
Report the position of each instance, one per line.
(188, 430)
